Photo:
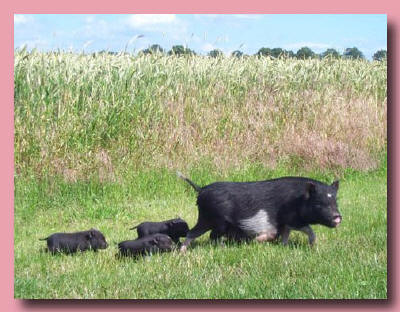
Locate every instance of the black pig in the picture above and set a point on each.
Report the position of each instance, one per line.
(72, 242)
(264, 209)
(174, 228)
(146, 245)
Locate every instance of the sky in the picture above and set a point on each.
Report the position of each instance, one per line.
(201, 32)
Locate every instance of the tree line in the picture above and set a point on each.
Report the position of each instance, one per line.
(302, 53)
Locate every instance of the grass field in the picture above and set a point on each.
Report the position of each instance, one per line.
(348, 262)
(98, 139)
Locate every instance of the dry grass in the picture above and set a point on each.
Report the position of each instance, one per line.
(84, 116)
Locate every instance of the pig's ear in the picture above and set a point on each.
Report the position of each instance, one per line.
(336, 185)
(310, 189)
(91, 233)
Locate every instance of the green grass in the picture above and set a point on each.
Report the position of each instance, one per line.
(348, 262)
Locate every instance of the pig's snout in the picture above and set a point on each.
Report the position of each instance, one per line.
(337, 219)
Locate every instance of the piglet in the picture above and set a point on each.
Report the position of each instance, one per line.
(174, 228)
(146, 245)
(72, 242)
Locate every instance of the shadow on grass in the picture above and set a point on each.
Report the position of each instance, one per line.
(63, 253)
(295, 243)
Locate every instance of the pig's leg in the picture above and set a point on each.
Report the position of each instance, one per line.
(285, 232)
(199, 229)
(218, 231)
(310, 233)
(238, 235)
(214, 235)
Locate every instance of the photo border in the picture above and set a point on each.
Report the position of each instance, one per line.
(391, 8)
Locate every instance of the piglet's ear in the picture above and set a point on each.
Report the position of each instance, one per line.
(154, 241)
(310, 189)
(336, 184)
(92, 233)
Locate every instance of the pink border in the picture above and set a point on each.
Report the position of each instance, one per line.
(389, 7)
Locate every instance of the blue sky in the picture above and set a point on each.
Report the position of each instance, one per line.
(201, 32)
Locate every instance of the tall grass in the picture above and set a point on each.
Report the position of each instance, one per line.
(83, 116)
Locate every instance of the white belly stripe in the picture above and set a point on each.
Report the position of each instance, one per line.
(259, 223)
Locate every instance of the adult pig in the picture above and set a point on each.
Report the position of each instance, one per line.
(264, 209)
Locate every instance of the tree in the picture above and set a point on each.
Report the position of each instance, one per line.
(330, 53)
(177, 50)
(154, 49)
(305, 52)
(237, 54)
(264, 52)
(288, 53)
(276, 52)
(380, 55)
(180, 50)
(353, 53)
(215, 53)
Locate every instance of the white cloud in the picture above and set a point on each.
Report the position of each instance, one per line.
(34, 43)
(199, 16)
(89, 19)
(21, 19)
(170, 26)
(247, 16)
(207, 47)
(147, 21)
(95, 28)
